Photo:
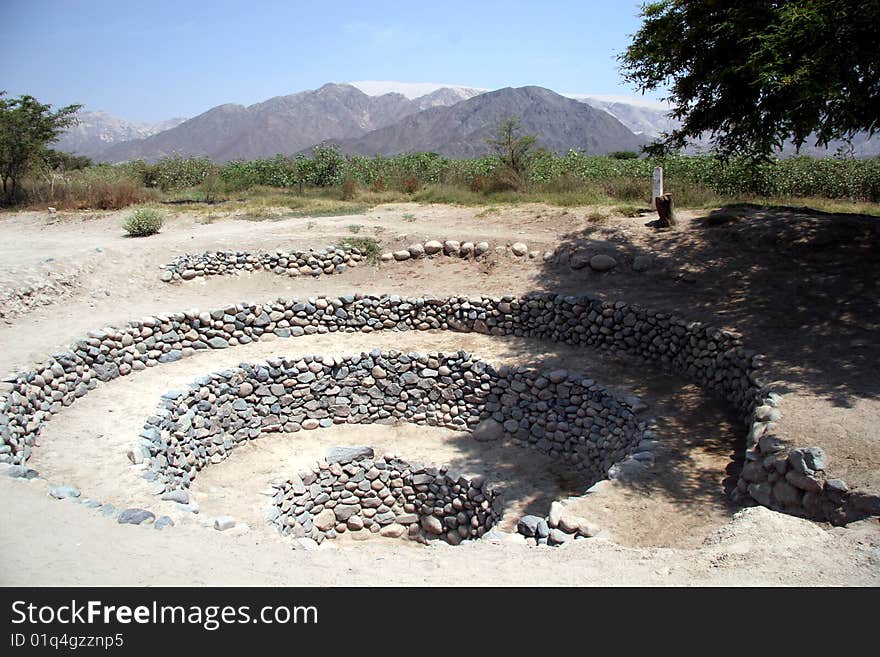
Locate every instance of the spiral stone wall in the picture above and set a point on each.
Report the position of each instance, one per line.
(566, 416)
(352, 491)
(314, 262)
(713, 358)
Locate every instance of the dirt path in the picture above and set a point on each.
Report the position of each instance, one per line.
(45, 542)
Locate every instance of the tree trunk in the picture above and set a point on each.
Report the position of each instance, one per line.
(665, 211)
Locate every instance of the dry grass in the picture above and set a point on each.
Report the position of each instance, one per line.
(87, 194)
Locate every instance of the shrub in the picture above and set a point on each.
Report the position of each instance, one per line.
(630, 211)
(623, 155)
(178, 172)
(349, 189)
(504, 179)
(94, 188)
(368, 246)
(143, 222)
(410, 185)
(479, 183)
(378, 185)
(325, 169)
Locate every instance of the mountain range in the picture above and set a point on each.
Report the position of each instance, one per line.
(283, 124)
(459, 130)
(96, 131)
(387, 118)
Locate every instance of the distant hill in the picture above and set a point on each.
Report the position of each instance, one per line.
(96, 131)
(370, 117)
(459, 130)
(652, 120)
(283, 124)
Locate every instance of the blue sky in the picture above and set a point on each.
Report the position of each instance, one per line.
(153, 59)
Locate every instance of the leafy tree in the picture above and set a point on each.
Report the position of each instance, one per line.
(27, 127)
(512, 148)
(753, 74)
(62, 161)
(326, 165)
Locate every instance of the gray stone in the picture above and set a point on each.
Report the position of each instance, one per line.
(180, 495)
(642, 263)
(21, 472)
(602, 262)
(528, 525)
(432, 525)
(162, 522)
(804, 482)
(60, 492)
(325, 520)
(556, 511)
(557, 376)
(760, 492)
(222, 523)
(786, 494)
(345, 511)
(807, 460)
(558, 537)
(579, 260)
(348, 454)
(392, 530)
(451, 247)
(135, 516)
(488, 430)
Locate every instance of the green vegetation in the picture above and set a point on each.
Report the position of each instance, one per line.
(515, 153)
(755, 74)
(287, 187)
(143, 222)
(368, 246)
(27, 127)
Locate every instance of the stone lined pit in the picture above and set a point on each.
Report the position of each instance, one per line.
(564, 415)
(353, 491)
(791, 480)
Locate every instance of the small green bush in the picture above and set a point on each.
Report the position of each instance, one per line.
(368, 246)
(143, 222)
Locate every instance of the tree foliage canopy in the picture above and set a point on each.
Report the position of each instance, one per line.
(512, 148)
(753, 74)
(27, 127)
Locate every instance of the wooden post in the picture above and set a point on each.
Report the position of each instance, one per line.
(665, 211)
(662, 202)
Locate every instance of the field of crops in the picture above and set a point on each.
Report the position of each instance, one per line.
(580, 178)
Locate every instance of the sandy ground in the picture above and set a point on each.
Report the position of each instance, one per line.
(674, 526)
